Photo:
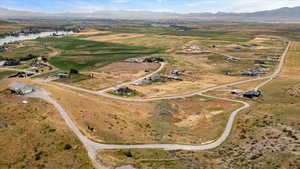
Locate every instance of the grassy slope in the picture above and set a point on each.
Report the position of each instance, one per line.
(35, 136)
(264, 137)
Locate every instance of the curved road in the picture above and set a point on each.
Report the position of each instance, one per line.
(92, 147)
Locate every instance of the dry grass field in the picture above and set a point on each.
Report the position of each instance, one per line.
(182, 121)
(34, 135)
(115, 74)
(265, 137)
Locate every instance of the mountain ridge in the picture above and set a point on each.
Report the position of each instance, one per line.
(285, 14)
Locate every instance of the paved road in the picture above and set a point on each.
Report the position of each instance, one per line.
(92, 147)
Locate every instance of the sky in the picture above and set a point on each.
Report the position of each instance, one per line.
(178, 6)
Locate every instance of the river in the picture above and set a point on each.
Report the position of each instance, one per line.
(10, 39)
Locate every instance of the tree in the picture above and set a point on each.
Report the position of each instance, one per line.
(74, 71)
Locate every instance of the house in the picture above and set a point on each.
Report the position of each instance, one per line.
(236, 91)
(252, 94)
(250, 73)
(230, 59)
(11, 63)
(22, 90)
(262, 68)
(124, 91)
(250, 45)
(259, 62)
(154, 59)
(21, 75)
(228, 73)
(194, 47)
(271, 57)
(2, 63)
(2, 49)
(62, 75)
(134, 60)
(176, 72)
(142, 82)
(156, 77)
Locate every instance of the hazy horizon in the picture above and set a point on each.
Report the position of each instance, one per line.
(176, 6)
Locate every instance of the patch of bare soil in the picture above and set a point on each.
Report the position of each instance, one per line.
(294, 92)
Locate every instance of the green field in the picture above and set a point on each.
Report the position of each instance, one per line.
(6, 74)
(87, 55)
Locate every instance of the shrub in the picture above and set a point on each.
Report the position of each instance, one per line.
(67, 147)
(74, 71)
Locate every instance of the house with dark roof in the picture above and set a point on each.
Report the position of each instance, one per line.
(11, 63)
(250, 73)
(252, 94)
(124, 91)
(260, 62)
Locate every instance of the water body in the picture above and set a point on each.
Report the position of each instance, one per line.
(11, 39)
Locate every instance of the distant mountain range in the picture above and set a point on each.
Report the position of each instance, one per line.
(282, 15)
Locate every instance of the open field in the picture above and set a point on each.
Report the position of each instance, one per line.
(266, 136)
(5, 74)
(82, 54)
(116, 73)
(183, 121)
(34, 135)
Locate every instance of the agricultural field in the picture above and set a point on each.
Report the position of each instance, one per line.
(89, 55)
